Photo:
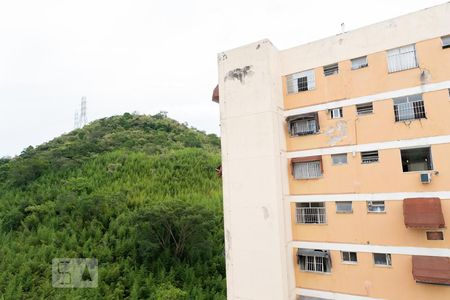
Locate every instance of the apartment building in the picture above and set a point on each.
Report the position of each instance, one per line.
(336, 164)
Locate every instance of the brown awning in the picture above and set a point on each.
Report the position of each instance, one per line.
(431, 269)
(423, 213)
(215, 95)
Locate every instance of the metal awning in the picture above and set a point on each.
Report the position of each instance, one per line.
(431, 269)
(423, 213)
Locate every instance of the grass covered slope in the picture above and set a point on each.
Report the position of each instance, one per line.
(139, 193)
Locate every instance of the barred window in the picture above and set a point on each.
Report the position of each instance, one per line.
(359, 62)
(331, 69)
(409, 108)
(369, 157)
(310, 213)
(402, 58)
(307, 170)
(364, 109)
(302, 81)
(314, 260)
(304, 124)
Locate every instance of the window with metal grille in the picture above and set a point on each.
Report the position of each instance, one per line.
(349, 257)
(307, 170)
(376, 206)
(331, 69)
(369, 157)
(359, 63)
(364, 109)
(409, 108)
(445, 41)
(339, 159)
(336, 113)
(417, 159)
(314, 260)
(344, 207)
(304, 124)
(299, 82)
(382, 259)
(402, 58)
(310, 213)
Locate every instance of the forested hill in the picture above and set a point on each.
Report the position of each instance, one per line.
(139, 193)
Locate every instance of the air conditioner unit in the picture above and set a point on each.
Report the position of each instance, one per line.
(425, 177)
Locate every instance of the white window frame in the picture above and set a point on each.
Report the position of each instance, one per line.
(376, 206)
(359, 62)
(345, 211)
(402, 58)
(336, 113)
(310, 213)
(388, 259)
(349, 257)
(292, 81)
(409, 108)
(337, 160)
(308, 170)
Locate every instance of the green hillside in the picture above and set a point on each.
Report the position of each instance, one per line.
(139, 193)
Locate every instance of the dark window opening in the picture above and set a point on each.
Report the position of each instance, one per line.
(435, 235)
(418, 159)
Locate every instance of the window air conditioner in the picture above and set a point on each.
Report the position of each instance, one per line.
(425, 177)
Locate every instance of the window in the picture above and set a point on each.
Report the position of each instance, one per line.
(445, 41)
(364, 109)
(369, 157)
(417, 159)
(402, 58)
(314, 260)
(299, 82)
(375, 206)
(308, 170)
(336, 113)
(339, 159)
(359, 63)
(435, 235)
(311, 213)
(409, 108)
(349, 257)
(382, 259)
(344, 207)
(331, 69)
(304, 124)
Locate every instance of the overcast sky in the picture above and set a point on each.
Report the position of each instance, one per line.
(145, 56)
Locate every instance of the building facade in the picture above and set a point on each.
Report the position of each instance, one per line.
(336, 164)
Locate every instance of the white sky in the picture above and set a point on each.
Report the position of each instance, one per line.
(146, 56)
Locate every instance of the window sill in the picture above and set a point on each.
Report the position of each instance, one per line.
(393, 72)
(411, 120)
(322, 224)
(345, 212)
(419, 172)
(383, 266)
(314, 272)
(350, 263)
(376, 212)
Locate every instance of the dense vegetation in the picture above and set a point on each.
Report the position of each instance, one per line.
(139, 193)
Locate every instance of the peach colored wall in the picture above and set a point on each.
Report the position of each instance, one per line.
(384, 176)
(366, 279)
(379, 126)
(362, 227)
(373, 79)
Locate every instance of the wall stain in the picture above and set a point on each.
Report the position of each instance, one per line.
(336, 133)
(239, 74)
(265, 212)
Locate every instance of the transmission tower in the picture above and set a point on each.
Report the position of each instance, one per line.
(83, 117)
(80, 119)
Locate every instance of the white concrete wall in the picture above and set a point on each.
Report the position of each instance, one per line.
(418, 26)
(257, 220)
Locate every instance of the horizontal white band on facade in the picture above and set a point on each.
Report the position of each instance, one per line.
(443, 252)
(444, 195)
(431, 87)
(330, 295)
(426, 141)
